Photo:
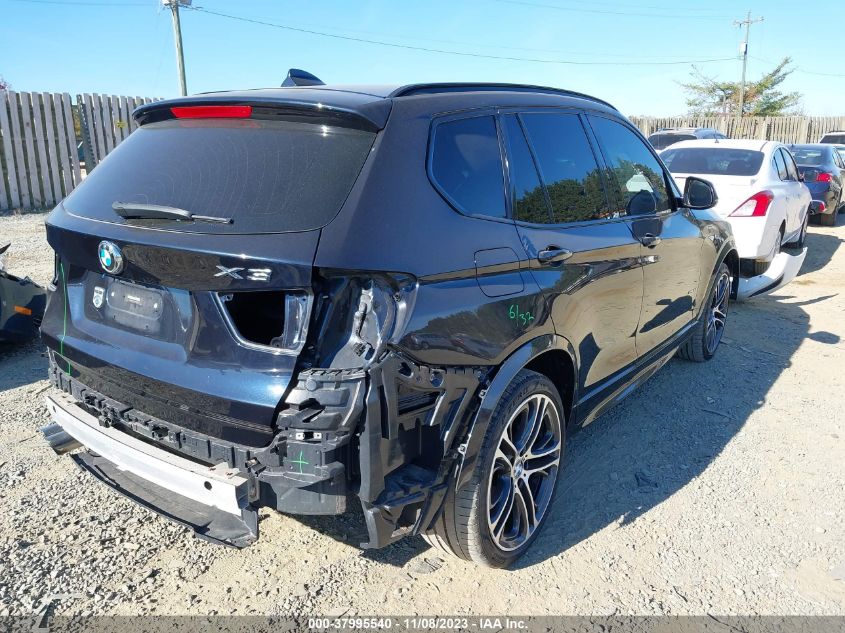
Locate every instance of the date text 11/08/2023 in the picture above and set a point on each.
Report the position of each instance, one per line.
(418, 623)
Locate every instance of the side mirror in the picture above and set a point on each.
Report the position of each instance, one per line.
(699, 193)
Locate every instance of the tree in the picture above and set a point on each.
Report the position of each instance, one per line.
(710, 97)
(4, 85)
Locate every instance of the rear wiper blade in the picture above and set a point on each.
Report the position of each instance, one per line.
(141, 211)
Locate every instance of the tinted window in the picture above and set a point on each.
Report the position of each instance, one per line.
(713, 161)
(529, 199)
(467, 165)
(568, 167)
(791, 169)
(780, 166)
(833, 138)
(636, 172)
(268, 176)
(661, 140)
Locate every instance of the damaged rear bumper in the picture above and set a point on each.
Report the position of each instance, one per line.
(213, 500)
(391, 435)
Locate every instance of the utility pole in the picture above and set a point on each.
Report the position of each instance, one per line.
(177, 36)
(747, 22)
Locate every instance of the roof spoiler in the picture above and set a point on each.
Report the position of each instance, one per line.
(297, 77)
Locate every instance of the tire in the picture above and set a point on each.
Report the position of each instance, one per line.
(761, 266)
(701, 345)
(468, 526)
(827, 219)
(802, 236)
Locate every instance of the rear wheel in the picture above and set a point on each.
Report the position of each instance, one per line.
(493, 519)
(761, 266)
(707, 333)
(827, 219)
(802, 236)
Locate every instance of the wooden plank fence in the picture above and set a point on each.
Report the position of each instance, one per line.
(106, 122)
(39, 137)
(785, 129)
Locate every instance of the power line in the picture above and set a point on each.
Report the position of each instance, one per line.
(798, 69)
(556, 7)
(444, 51)
(89, 4)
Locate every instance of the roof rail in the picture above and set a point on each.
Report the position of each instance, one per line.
(297, 77)
(434, 88)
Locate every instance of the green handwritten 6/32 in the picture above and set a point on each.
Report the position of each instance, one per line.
(523, 318)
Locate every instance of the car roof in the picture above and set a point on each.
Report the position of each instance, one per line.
(372, 103)
(683, 130)
(822, 146)
(726, 143)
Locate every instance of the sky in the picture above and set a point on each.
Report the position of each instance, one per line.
(633, 54)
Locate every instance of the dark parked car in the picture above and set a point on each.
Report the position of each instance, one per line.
(823, 169)
(301, 297)
(669, 136)
(22, 304)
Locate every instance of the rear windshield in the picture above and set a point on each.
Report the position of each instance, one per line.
(267, 176)
(715, 161)
(833, 138)
(811, 155)
(662, 140)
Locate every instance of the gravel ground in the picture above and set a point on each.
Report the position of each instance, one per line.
(716, 488)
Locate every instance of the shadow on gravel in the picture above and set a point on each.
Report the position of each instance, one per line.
(666, 434)
(22, 364)
(820, 250)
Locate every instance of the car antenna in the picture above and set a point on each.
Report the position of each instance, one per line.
(297, 77)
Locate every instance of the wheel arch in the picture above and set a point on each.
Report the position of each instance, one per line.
(549, 354)
(731, 258)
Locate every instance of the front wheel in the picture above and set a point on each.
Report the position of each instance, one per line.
(707, 333)
(493, 519)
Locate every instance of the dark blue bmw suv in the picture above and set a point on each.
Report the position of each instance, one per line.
(303, 297)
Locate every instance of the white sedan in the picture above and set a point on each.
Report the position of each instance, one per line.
(760, 193)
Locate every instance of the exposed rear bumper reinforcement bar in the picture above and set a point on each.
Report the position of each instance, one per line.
(783, 269)
(213, 500)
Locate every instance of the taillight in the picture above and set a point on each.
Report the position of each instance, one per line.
(823, 177)
(212, 112)
(756, 206)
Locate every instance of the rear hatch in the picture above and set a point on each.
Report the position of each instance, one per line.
(199, 322)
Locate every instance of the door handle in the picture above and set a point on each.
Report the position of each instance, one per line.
(650, 240)
(553, 255)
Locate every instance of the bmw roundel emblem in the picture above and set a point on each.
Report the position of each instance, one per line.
(111, 259)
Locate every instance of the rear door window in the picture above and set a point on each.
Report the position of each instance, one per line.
(568, 167)
(780, 166)
(466, 165)
(635, 171)
(267, 176)
(791, 169)
(528, 195)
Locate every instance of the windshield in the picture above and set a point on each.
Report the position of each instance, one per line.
(810, 156)
(266, 176)
(661, 140)
(715, 161)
